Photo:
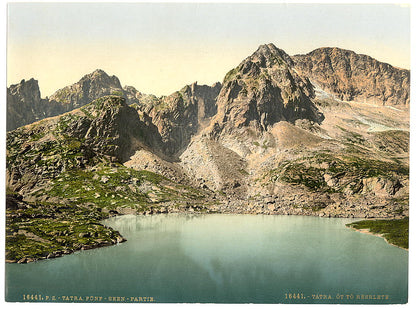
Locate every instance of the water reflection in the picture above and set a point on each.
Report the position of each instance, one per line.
(222, 258)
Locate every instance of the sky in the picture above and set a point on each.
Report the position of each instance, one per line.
(160, 47)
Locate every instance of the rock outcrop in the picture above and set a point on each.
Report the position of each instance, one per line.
(355, 77)
(182, 114)
(25, 105)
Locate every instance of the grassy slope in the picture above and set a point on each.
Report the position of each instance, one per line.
(44, 230)
(87, 197)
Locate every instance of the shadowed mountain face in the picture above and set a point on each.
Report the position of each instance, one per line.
(182, 114)
(354, 77)
(263, 90)
(23, 102)
(25, 105)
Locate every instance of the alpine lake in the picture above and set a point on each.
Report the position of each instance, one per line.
(220, 258)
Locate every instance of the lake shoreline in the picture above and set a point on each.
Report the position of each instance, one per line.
(61, 253)
(394, 232)
(189, 210)
(367, 231)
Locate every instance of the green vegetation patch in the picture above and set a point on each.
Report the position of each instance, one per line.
(352, 137)
(105, 187)
(299, 173)
(105, 102)
(392, 141)
(230, 75)
(65, 121)
(49, 157)
(394, 231)
(118, 93)
(311, 171)
(118, 186)
(45, 230)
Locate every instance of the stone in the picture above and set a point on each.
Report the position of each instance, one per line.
(355, 77)
(22, 261)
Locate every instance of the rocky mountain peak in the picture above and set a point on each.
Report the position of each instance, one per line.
(28, 91)
(355, 77)
(262, 90)
(102, 79)
(24, 104)
(268, 54)
(88, 88)
(99, 72)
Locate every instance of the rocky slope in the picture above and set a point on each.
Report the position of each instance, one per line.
(300, 149)
(107, 128)
(257, 95)
(355, 77)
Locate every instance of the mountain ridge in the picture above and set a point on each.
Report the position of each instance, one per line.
(355, 77)
(391, 88)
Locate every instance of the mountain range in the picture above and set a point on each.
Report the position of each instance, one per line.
(324, 134)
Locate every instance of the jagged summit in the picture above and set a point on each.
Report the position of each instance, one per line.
(90, 87)
(269, 54)
(102, 76)
(355, 77)
(25, 105)
(263, 90)
(27, 89)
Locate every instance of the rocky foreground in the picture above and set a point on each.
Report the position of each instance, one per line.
(281, 135)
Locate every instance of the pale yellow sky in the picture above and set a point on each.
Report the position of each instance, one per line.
(154, 70)
(159, 48)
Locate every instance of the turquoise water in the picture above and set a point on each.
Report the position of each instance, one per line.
(222, 259)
